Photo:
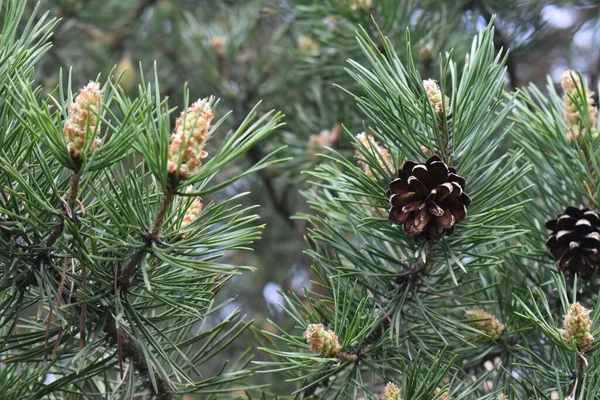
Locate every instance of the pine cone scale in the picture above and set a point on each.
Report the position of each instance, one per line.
(446, 220)
(438, 172)
(435, 210)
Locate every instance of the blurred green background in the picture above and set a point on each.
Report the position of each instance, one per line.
(289, 54)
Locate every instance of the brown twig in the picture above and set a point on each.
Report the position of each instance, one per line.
(83, 313)
(127, 348)
(73, 191)
(153, 236)
(580, 374)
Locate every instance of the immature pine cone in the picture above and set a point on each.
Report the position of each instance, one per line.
(575, 241)
(327, 138)
(576, 326)
(486, 323)
(83, 119)
(572, 99)
(192, 212)
(218, 43)
(434, 95)
(324, 343)
(384, 159)
(126, 71)
(308, 45)
(189, 138)
(391, 392)
(361, 4)
(428, 199)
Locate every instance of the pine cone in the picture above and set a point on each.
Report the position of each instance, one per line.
(428, 199)
(575, 241)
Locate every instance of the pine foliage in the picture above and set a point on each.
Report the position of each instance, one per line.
(477, 314)
(450, 213)
(109, 276)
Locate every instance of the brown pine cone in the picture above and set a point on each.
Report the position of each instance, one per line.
(575, 241)
(428, 199)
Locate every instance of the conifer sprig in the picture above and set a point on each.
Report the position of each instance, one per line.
(92, 238)
(417, 286)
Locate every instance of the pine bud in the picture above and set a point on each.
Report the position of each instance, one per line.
(192, 212)
(324, 343)
(502, 396)
(83, 119)
(308, 45)
(445, 396)
(189, 138)
(434, 95)
(126, 71)
(361, 4)
(326, 138)
(577, 325)
(486, 323)
(572, 99)
(381, 154)
(391, 392)
(218, 44)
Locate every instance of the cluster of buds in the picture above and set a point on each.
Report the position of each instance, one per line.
(576, 327)
(381, 154)
(192, 212)
(572, 100)
(391, 392)
(444, 396)
(323, 342)
(83, 120)
(308, 45)
(434, 95)
(186, 149)
(361, 4)
(486, 323)
(502, 396)
(326, 138)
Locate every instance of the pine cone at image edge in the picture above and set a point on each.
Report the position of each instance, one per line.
(575, 241)
(428, 199)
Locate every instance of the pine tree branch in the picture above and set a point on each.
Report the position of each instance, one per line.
(580, 375)
(73, 191)
(128, 349)
(153, 236)
(42, 256)
(69, 212)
